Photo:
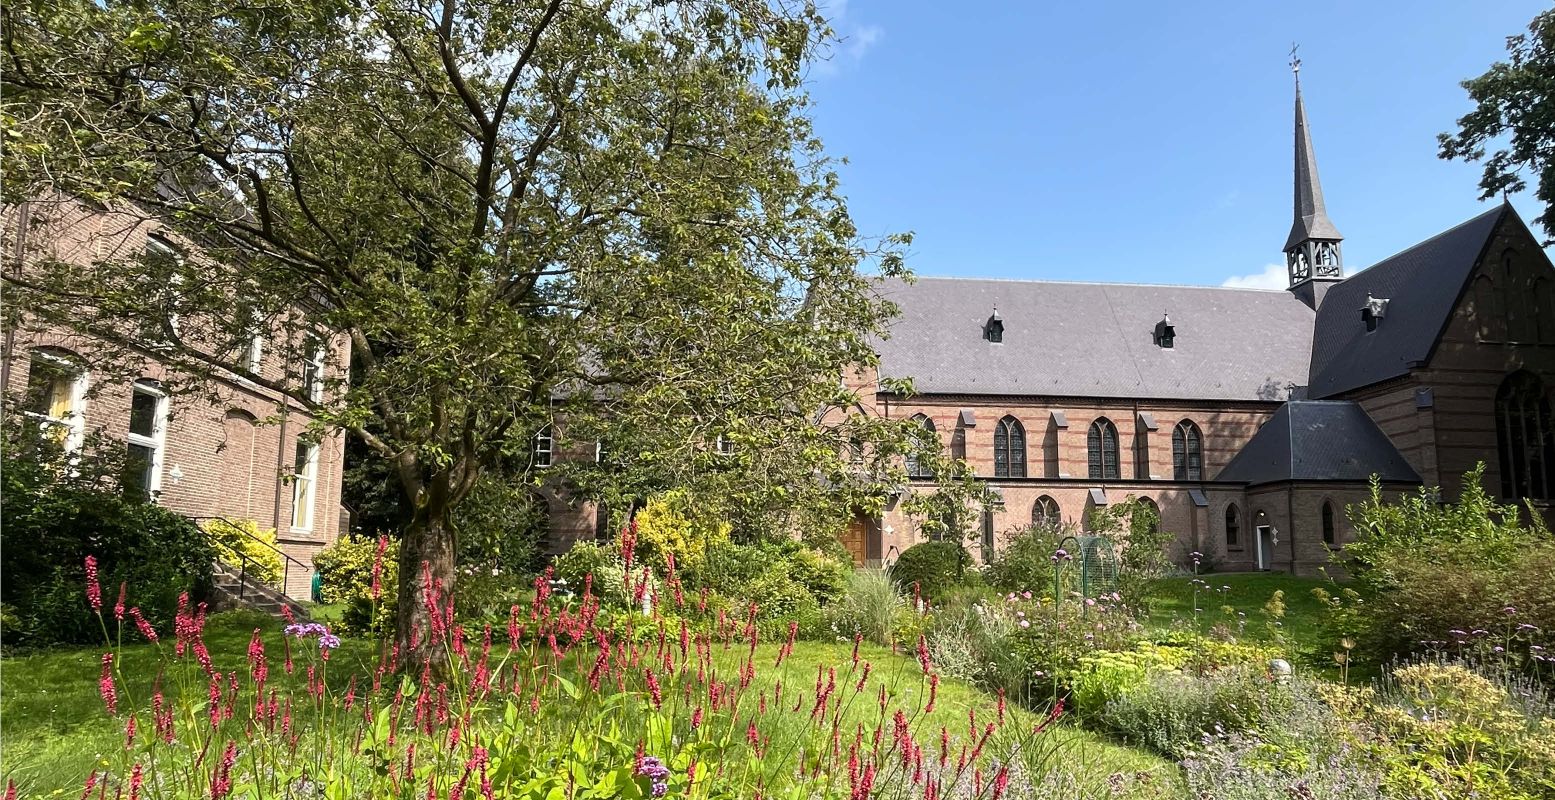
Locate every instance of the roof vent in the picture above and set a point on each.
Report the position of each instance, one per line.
(993, 329)
(1165, 332)
(1375, 309)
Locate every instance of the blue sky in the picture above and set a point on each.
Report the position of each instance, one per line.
(1149, 142)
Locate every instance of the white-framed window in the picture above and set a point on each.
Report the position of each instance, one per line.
(545, 445)
(313, 367)
(56, 397)
(305, 478)
(146, 440)
(254, 354)
(599, 451)
(724, 447)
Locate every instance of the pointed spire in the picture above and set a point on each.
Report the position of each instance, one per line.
(1311, 218)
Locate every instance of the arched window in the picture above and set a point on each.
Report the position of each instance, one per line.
(1233, 527)
(916, 467)
(1102, 450)
(1525, 438)
(1045, 514)
(1329, 536)
(1187, 452)
(1150, 521)
(1009, 449)
(1487, 309)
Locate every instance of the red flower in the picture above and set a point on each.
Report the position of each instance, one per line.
(91, 783)
(383, 545)
(94, 592)
(923, 655)
(118, 608)
(135, 781)
(106, 686)
(258, 665)
(221, 783)
(933, 691)
(1001, 781)
(145, 627)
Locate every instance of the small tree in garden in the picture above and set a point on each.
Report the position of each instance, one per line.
(535, 221)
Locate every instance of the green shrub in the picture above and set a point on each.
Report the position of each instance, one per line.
(1025, 563)
(934, 567)
(603, 562)
(871, 606)
(1425, 570)
(50, 528)
(1107, 675)
(1056, 637)
(1450, 731)
(1173, 712)
(243, 545)
(673, 523)
(970, 636)
(346, 576)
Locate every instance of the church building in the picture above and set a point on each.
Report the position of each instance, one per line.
(1250, 418)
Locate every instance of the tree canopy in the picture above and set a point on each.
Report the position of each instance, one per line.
(606, 220)
(1512, 126)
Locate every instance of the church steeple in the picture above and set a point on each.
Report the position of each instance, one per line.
(1312, 254)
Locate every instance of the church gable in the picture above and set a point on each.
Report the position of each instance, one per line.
(1384, 321)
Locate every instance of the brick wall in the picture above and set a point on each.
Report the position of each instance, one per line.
(228, 449)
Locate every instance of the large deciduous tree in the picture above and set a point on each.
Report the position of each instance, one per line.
(607, 212)
(1512, 126)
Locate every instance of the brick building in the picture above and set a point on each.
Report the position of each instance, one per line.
(1250, 418)
(233, 450)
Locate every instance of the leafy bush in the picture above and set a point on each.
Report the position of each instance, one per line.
(970, 637)
(1306, 751)
(1053, 638)
(1107, 675)
(243, 545)
(1430, 572)
(50, 529)
(871, 606)
(934, 567)
(601, 561)
(1025, 563)
(672, 524)
(1173, 712)
(346, 576)
(1450, 731)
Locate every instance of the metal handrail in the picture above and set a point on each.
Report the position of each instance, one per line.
(286, 560)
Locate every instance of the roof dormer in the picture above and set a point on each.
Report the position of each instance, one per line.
(993, 329)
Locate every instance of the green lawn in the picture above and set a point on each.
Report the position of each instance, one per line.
(1245, 593)
(56, 731)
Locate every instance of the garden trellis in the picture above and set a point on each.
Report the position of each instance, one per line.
(1084, 567)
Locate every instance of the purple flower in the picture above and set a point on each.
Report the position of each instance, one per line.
(329, 641)
(657, 774)
(1458, 632)
(1526, 627)
(1509, 610)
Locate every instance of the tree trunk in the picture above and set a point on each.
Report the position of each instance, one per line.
(429, 540)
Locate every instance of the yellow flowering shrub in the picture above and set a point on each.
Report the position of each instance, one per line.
(242, 544)
(671, 523)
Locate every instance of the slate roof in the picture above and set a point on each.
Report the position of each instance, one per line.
(1096, 340)
(1318, 440)
(1422, 284)
(1312, 220)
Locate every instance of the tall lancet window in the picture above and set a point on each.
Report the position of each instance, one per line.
(1009, 449)
(1102, 450)
(1525, 438)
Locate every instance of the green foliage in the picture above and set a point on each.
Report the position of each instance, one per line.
(1424, 570)
(496, 240)
(52, 526)
(871, 606)
(933, 567)
(673, 525)
(1135, 527)
(601, 561)
(1106, 675)
(1053, 639)
(1445, 730)
(1025, 563)
(1515, 113)
(1172, 712)
(346, 571)
(242, 544)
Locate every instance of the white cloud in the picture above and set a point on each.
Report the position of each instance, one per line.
(854, 39)
(1272, 277)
